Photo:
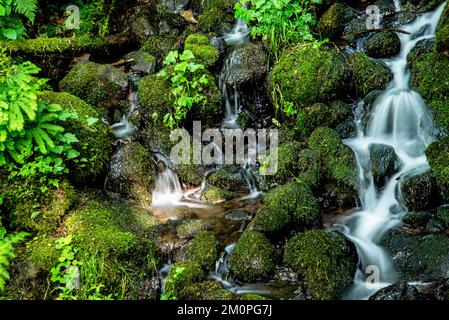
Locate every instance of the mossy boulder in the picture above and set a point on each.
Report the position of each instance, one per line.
(287, 159)
(204, 52)
(326, 260)
(339, 166)
(354, 31)
(204, 250)
(143, 62)
(428, 77)
(181, 276)
(271, 220)
(438, 156)
(191, 227)
(253, 257)
(422, 47)
(229, 178)
(420, 6)
(102, 86)
(382, 45)
(301, 206)
(202, 291)
(42, 253)
(418, 192)
(131, 171)
(216, 195)
(216, 15)
(442, 33)
(439, 111)
(154, 95)
(95, 139)
(249, 67)
(333, 21)
(38, 212)
(306, 75)
(369, 75)
(384, 163)
(158, 45)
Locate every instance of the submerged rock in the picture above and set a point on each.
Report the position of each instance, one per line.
(384, 163)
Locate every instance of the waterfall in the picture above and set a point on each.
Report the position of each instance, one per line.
(399, 120)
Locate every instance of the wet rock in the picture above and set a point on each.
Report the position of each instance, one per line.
(384, 163)
(189, 228)
(237, 216)
(418, 192)
(229, 178)
(382, 45)
(220, 44)
(354, 31)
(333, 21)
(420, 6)
(417, 219)
(421, 48)
(102, 86)
(158, 46)
(215, 195)
(435, 225)
(149, 289)
(140, 24)
(250, 65)
(418, 257)
(144, 63)
(130, 172)
(398, 291)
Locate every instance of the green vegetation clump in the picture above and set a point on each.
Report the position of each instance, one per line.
(94, 138)
(158, 46)
(216, 195)
(288, 158)
(253, 257)
(307, 74)
(442, 33)
(271, 220)
(440, 114)
(216, 15)
(181, 276)
(429, 77)
(101, 86)
(438, 156)
(301, 205)
(42, 253)
(332, 23)
(204, 250)
(324, 259)
(204, 52)
(12, 13)
(368, 74)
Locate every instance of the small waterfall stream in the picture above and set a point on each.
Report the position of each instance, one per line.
(398, 120)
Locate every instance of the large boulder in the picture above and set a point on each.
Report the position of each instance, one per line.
(229, 178)
(418, 192)
(101, 86)
(306, 74)
(384, 163)
(332, 22)
(326, 260)
(253, 257)
(382, 45)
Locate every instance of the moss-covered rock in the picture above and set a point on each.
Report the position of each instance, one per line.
(154, 95)
(95, 139)
(422, 47)
(202, 291)
(253, 257)
(309, 167)
(101, 86)
(301, 205)
(418, 192)
(229, 178)
(190, 227)
(143, 62)
(288, 158)
(271, 220)
(368, 75)
(158, 46)
(439, 111)
(382, 45)
(38, 212)
(429, 77)
(384, 163)
(354, 30)
(215, 195)
(42, 253)
(324, 259)
(438, 156)
(442, 33)
(204, 250)
(131, 171)
(216, 15)
(204, 52)
(306, 75)
(333, 21)
(181, 276)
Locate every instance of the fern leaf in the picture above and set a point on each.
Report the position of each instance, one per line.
(26, 8)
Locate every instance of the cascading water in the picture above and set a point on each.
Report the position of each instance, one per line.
(398, 120)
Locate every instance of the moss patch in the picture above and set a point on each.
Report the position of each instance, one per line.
(204, 250)
(204, 52)
(438, 156)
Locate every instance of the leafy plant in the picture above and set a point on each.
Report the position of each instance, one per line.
(173, 279)
(12, 14)
(280, 23)
(7, 242)
(32, 139)
(188, 84)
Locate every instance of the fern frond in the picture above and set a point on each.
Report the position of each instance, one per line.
(26, 8)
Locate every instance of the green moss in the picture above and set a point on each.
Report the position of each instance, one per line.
(429, 77)
(84, 43)
(271, 220)
(216, 15)
(440, 114)
(438, 156)
(443, 214)
(442, 33)
(42, 253)
(204, 250)
(204, 52)
(181, 276)
(190, 227)
(201, 291)
(94, 140)
(306, 75)
(332, 23)
(301, 204)
(288, 156)
(228, 177)
(38, 212)
(382, 45)
(324, 259)
(101, 86)
(253, 257)
(154, 95)
(158, 46)
(368, 75)
(309, 167)
(216, 195)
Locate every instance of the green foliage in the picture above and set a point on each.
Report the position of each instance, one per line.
(280, 23)
(188, 84)
(204, 249)
(437, 155)
(12, 14)
(204, 52)
(32, 140)
(182, 275)
(7, 242)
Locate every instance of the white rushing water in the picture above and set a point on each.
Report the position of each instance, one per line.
(398, 120)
